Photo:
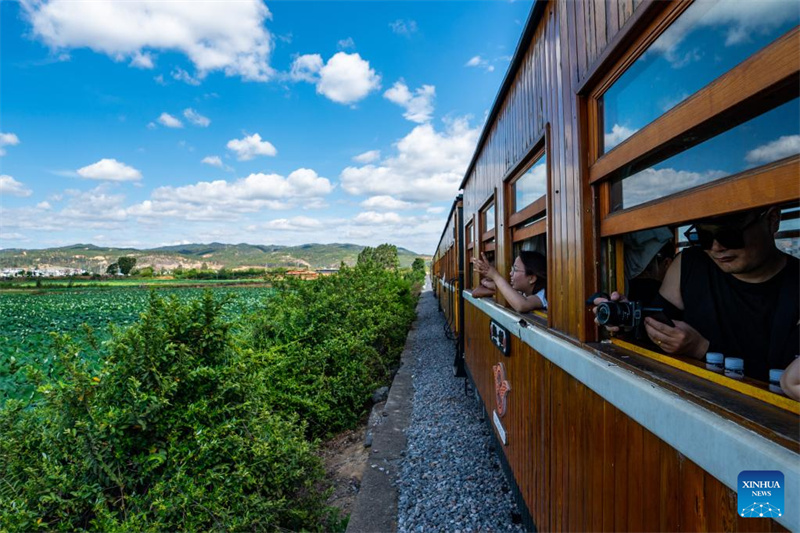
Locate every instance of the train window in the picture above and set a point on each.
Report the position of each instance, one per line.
(487, 225)
(704, 41)
(488, 218)
(469, 237)
(527, 196)
(697, 119)
(760, 141)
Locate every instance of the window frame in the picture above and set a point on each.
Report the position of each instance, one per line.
(469, 252)
(763, 81)
(539, 207)
(745, 91)
(485, 236)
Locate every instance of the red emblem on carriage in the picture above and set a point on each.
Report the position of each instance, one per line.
(501, 388)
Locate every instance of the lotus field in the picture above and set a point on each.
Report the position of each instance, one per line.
(28, 320)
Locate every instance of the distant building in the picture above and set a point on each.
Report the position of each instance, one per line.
(302, 274)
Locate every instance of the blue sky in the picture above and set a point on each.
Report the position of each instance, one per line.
(147, 123)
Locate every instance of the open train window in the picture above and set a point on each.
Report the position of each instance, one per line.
(526, 203)
(698, 119)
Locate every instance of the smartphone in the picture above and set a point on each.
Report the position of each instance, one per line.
(660, 316)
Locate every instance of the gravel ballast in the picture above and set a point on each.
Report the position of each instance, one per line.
(450, 478)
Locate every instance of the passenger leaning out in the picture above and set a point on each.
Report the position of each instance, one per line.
(732, 291)
(525, 290)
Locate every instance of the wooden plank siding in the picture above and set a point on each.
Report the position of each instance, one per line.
(581, 464)
(445, 269)
(568, 40)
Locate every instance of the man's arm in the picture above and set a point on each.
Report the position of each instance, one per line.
(790, 380)
(683, 339)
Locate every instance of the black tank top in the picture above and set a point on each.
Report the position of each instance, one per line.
(737, 317)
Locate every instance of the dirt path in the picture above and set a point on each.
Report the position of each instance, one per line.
(345, 459)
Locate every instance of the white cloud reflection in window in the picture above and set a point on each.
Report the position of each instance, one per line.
(707, 40)
(769, 137)
(532, 185)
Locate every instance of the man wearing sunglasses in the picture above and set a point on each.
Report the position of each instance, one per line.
(732, 291)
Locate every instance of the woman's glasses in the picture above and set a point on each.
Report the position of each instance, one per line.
(729, 236)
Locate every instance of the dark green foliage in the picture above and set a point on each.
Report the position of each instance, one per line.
(173, 433)
(126, 264)
(384, 256)
(332, 342)
(187, 426)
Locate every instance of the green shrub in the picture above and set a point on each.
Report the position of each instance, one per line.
(173, 433)
(177, 423)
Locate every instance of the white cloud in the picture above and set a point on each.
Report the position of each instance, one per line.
(224, 200)
(306, 68)
(346, 78)
(372, 218)
(404, 27)
(143, 60)
(215, 36)
(169, 121)
(7, 139)
(44, 205)
(616, 135)
(435, 210)
(418, 106)
(741, 20)
(151, 125)
(386, 203)
(196, 118)
(212, 160)
(344, 44)
(368, 157)
(651, 183)
(429, 165)
(255, 192)
(772, 151)
(298, 223)
(10, 186)
(110, 170)
(250, 147)
(181, 75)
(479, 62)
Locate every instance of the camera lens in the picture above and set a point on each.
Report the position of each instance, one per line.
(604, 313)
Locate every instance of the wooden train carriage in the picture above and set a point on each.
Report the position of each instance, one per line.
(447, 270)
(611, 120)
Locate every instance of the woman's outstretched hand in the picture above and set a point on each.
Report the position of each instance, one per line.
(484, 268)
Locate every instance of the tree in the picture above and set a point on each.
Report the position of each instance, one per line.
(418, 266)
(126, 264)
(384, 255)
(113, 269)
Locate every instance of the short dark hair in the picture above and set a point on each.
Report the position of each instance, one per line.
(535, 265)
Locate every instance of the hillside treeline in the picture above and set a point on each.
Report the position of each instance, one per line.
(194, 423)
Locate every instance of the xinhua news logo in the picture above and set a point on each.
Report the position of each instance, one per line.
(760, 493)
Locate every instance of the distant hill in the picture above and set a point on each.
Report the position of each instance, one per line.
(214, 255)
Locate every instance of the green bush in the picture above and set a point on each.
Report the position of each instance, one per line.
(173, 433)
(332, 341)
(186, 422)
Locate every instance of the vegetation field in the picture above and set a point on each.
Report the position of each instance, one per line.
(29, 318)
(192, 410)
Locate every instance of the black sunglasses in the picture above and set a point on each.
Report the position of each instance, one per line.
(729, 236)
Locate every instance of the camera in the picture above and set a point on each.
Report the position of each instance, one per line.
(627, 315)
